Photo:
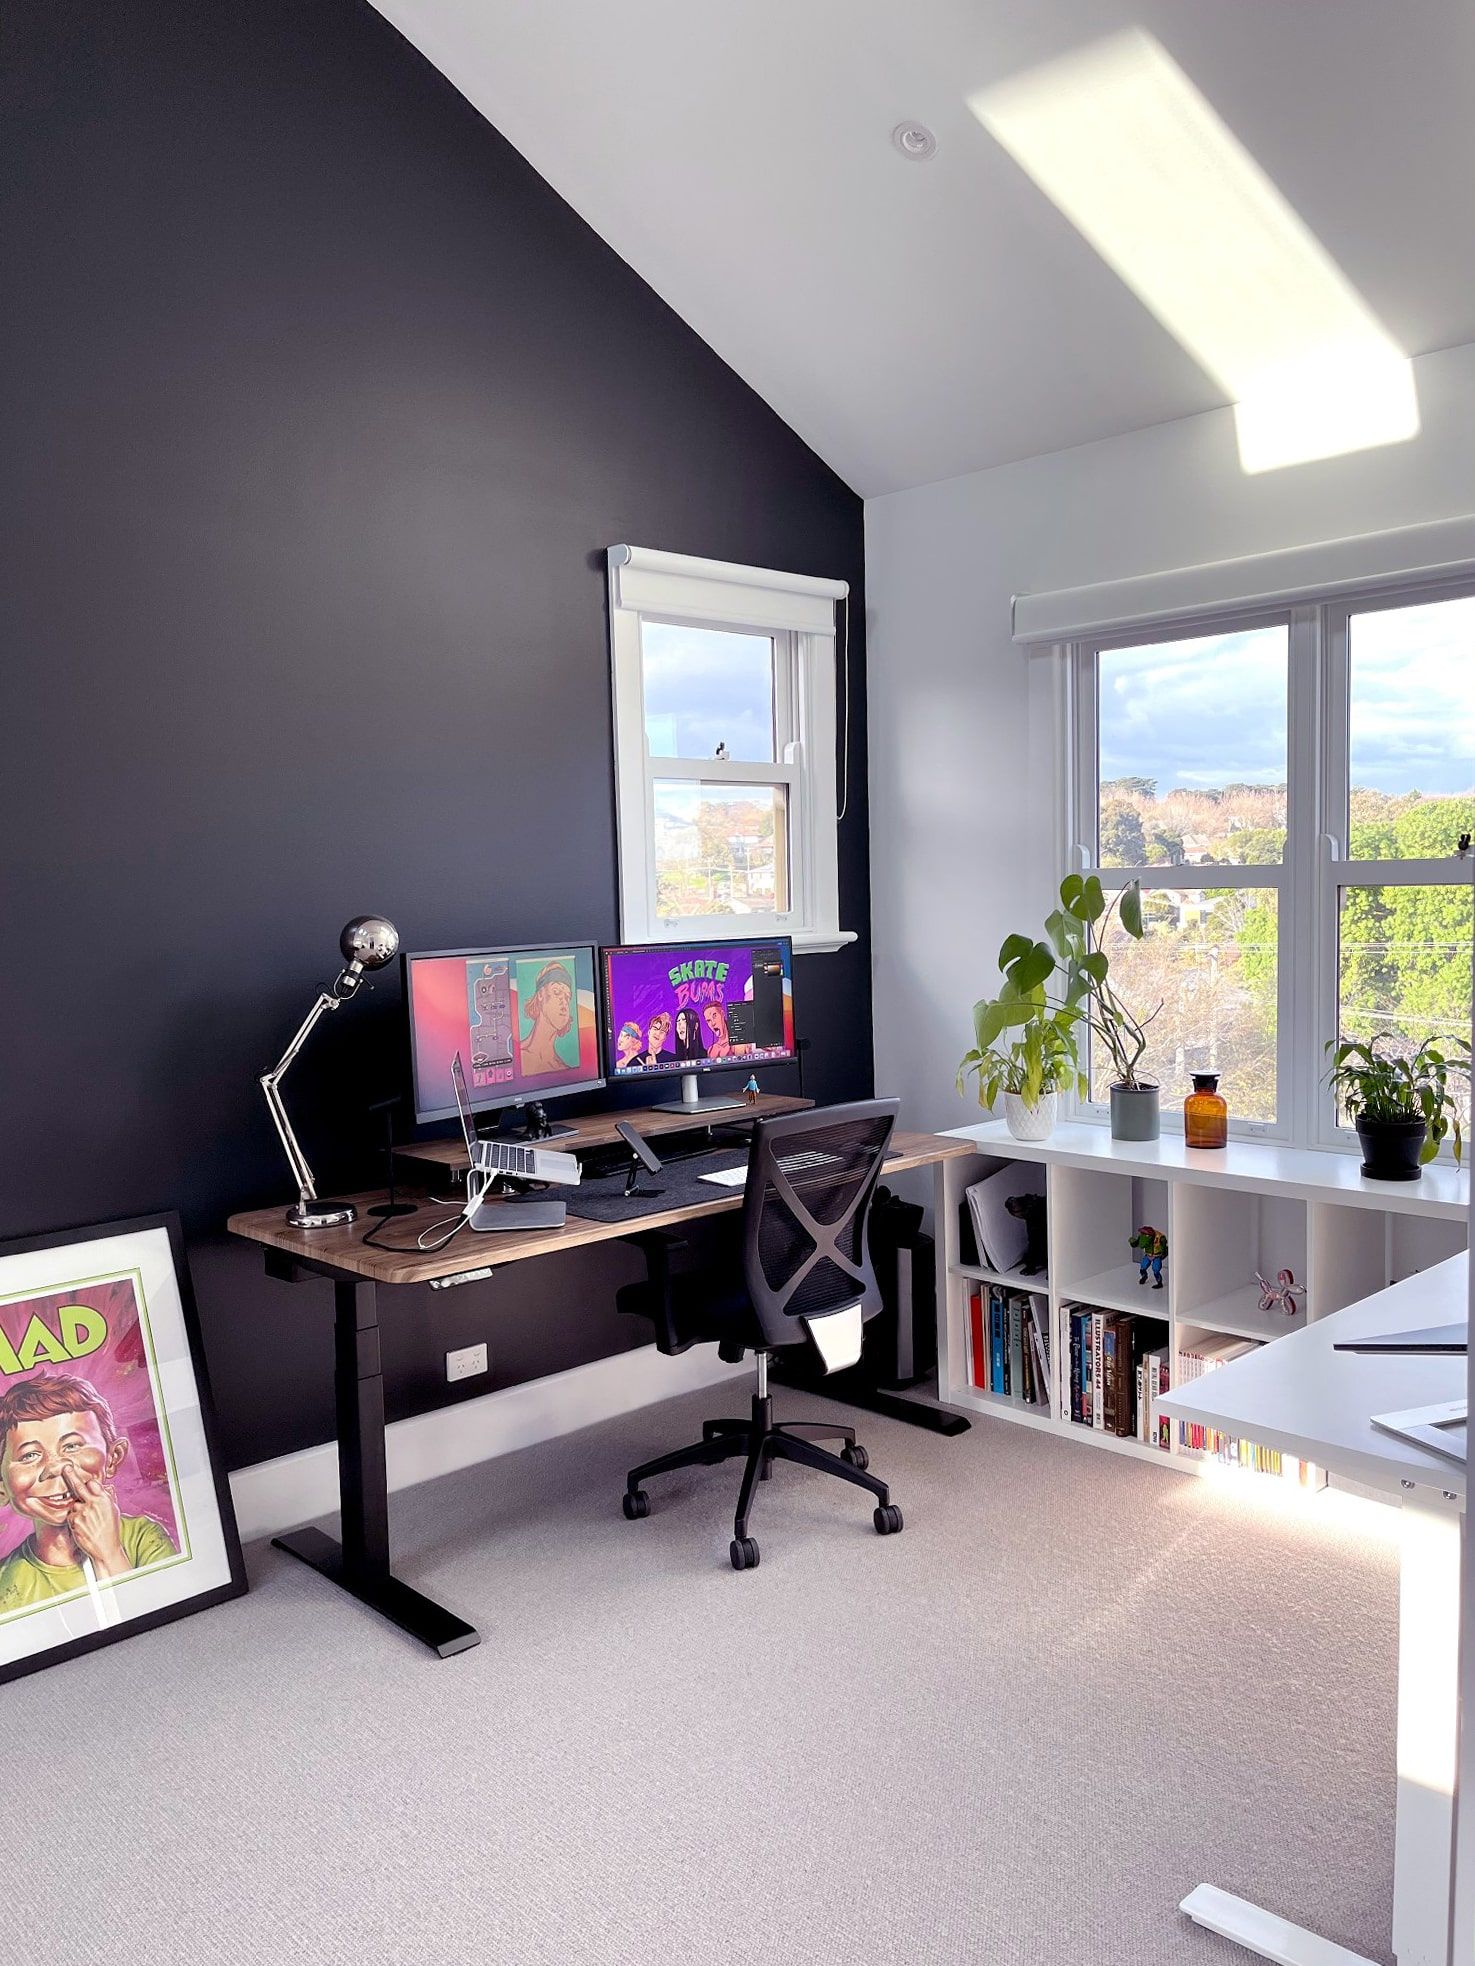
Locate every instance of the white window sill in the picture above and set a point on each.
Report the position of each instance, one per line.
(729, 928)
(822, 941)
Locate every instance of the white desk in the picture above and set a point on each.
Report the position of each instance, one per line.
(1317, 1403)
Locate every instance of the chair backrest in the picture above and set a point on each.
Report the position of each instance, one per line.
(811, 1177)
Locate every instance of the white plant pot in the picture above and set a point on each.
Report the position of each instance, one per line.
(1030, 1122)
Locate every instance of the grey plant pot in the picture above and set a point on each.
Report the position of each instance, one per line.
(1134, 1112)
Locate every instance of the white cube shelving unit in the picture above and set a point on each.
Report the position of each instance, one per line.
(1227, 1213)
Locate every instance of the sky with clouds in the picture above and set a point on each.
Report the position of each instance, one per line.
(1212, 711)
(705, 687)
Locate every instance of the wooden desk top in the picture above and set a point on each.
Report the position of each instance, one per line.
(598, 1129)
(345, 1252)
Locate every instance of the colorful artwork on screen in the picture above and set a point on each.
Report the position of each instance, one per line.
(701, 1006)
(87, 1487)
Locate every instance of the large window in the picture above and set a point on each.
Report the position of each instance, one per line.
(1292, 792)
(725, 749)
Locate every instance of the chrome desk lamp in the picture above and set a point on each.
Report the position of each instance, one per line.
(368, 942)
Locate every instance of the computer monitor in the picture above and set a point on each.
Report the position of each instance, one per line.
(525, 1021)
(678, 1009)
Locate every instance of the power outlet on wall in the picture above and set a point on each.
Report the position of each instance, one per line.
(470, 1361)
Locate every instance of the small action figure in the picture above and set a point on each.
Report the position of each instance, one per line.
(751, 1088)
(1282, 1294)
(1030, 1210)
(1151, 1246)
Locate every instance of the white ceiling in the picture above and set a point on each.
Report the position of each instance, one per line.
(917, 320)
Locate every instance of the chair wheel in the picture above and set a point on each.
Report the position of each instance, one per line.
(856, 1455)
(888, 1520)
(636, 1504)
(744, 1553)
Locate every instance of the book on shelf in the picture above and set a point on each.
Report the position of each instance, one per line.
(1112, 1384)
(1000, 1238)
(1009, 1343)
(1196, 1359)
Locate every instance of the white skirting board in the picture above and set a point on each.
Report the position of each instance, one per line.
(274, 1496)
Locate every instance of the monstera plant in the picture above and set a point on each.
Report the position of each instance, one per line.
(1026, 1039)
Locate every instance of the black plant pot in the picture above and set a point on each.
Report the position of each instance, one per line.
(1391, 1148)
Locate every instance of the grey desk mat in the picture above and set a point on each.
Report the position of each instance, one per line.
(680, 1183)
(603, 1199)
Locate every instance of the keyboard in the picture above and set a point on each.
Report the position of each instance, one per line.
(800, 1163)
(527, 1163)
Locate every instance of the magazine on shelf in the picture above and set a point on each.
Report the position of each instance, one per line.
(1003, 1238)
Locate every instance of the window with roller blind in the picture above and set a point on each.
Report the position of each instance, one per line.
(728, 721)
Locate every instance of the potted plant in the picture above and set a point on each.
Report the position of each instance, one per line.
(1028, 1070)
(1066, 977)
(1401, 1104)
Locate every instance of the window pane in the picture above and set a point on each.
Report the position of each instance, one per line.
(1404, 965)
(1412, 719)
(1191, 751)
(707, 687)
(721, 849)
(1209, 959)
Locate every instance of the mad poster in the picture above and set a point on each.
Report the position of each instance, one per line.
(88, 1496)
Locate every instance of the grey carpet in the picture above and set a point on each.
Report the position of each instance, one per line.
(1019, 1732)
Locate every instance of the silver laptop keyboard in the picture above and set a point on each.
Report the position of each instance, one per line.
(501, 1157)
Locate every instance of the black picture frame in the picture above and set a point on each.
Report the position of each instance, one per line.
(228, 1553)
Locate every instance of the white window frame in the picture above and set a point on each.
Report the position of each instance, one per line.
(1315, 868)
(797, 612)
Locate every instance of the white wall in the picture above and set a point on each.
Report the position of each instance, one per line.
(962, 740)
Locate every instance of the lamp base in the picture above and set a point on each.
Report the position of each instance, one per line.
(321, 1215)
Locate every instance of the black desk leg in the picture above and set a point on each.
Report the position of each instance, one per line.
(852, 1388)
(360, 1563)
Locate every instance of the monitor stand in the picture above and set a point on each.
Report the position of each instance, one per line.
(520, 1128)
(693, 1101)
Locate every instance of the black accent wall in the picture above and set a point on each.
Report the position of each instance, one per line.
(320, 409)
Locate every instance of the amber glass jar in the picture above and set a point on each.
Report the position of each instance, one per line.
(1205, 1115)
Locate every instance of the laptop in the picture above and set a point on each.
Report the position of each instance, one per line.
(505, 1156)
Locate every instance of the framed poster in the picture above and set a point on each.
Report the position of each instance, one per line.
(115, 1514)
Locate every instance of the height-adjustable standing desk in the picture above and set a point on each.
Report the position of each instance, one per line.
(360, 1563)
(1316, 1403)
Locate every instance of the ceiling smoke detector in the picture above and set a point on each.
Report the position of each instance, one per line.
(914, 140)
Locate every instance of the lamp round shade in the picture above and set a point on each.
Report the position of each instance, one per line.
(370, 941)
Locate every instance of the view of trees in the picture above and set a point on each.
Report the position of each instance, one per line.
(1210, 958)
(719, 852)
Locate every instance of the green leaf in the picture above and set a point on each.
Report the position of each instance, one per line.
(1032, 968)
(1014, 947)
(1071, 889)
(1093, 900)
(1095, 966)
(1131, 910)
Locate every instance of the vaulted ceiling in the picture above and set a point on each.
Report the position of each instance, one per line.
(916, 320)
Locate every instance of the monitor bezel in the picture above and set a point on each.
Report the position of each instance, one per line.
(429, 1115)
(650, 1073)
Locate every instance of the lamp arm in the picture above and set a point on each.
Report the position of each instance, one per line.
(270, 1083)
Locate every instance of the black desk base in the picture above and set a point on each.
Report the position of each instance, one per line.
(420, 1617)
(360, 1563)
(853, 1388)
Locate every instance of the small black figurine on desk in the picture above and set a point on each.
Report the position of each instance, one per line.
(1030, 1209)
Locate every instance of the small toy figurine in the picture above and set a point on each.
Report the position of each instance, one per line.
(751, 1088)
(1282, 1294)
(1030, 1210)
(1151, 1246)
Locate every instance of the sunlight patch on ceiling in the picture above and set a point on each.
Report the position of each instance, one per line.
(1118, 137)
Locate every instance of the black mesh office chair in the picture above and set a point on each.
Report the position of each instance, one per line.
(807, 1280)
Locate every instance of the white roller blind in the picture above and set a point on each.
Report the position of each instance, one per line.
(651, 582)
(1298, 573)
